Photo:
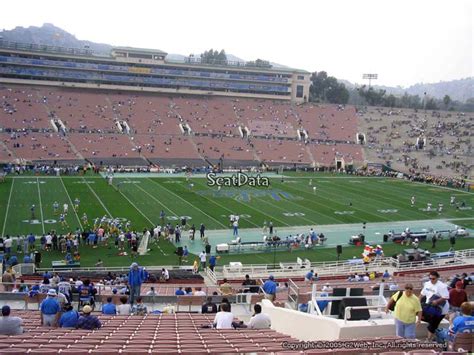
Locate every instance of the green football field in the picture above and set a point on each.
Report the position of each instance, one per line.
(293, 202)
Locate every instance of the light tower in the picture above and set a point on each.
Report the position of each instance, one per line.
(370, 77)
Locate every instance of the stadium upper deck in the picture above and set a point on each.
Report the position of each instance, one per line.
(147, 70)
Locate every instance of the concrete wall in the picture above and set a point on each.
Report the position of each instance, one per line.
(302, 326)
(306, 327)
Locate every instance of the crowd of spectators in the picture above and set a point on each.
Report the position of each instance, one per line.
(415, 141)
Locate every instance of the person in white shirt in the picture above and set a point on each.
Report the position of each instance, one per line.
(224, 318)
(165, 275)
(152, 292)
(259, 320)
(326, 288)
(65, 208)
(434, 287)
(49, 241)
(199, 292)
(123, 309)
(203, 258)
(7, 244)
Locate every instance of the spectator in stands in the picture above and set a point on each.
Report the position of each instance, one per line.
(50, 309)
(109, 307)
(436, 294)
(309, 276)
(393, 286)
(224, 300)
(407, 308)
(69, 318)
(224, 318)
(27, 259)
(454, 280)
(136, 277)
(152, 292)
(457, 296)
(226, 288)
(123, 309)
(386, 274)
(45, 285)
(466, 280)
(86, 293)
(87, 320)
(179, 292)
(8, 280)
(139, 309)
(64, 287)
(326, 288)
(463, 323)
(270, 287)
(165, 275)
(199, 292)
(209, 306)
(188, 291)
(259, 320)
(250, 285)
(10, 325)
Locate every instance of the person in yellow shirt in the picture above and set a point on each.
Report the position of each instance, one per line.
(407, 308)
(226, 288)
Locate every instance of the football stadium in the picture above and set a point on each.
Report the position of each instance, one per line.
(154, 205)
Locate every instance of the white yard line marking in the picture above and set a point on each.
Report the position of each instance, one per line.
(72, 205)
(8, 208)
(182, 199)
(154, 198)
(139, 211)
(41, 205)
(98, 199)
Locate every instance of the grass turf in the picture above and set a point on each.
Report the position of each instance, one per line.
(293, 202)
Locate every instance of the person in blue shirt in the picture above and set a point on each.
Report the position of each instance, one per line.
(109, 307)
(309, 276)
(88, 321)
(27, 259)
(270, 287)
(136, 276)
(13, 260)
(463, 323)
(212, 262)
(31, 242)
(386, 275)
(69, 318)
(185, 254)
(50, 309)
(179, 292)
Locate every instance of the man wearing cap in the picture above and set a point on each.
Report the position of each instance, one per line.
(136, 276)
(50, 309)
(87, 320)
(270, 288)
(69, 318)
(10, 325)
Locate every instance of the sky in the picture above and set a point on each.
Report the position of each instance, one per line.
(403, 41)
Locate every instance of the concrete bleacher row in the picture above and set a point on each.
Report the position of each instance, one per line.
(91, 123)
(164, 334)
